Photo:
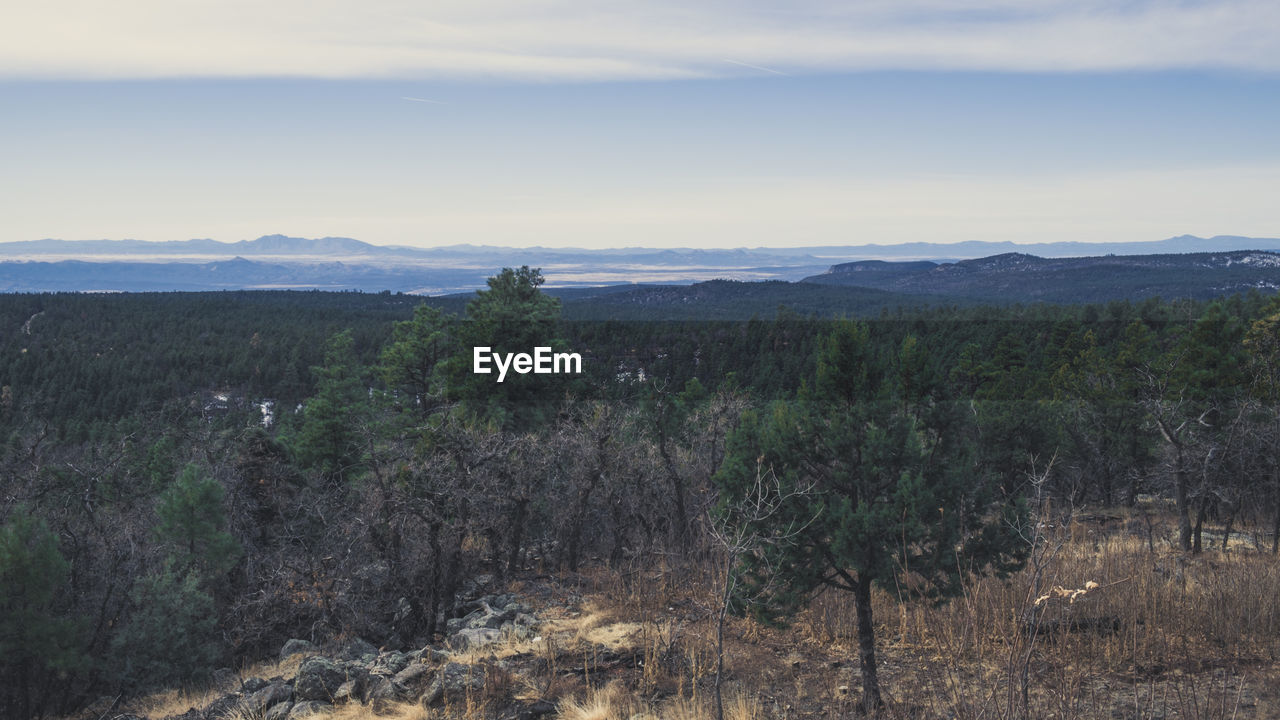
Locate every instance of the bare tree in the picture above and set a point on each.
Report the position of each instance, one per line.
(735, 529)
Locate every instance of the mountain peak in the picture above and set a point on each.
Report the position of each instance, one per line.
(326, 245)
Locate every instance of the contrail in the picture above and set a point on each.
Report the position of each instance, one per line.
(754, 67)
(433, 102)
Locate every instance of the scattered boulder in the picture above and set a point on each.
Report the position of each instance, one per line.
(298, 646)
(253, 685)
(349, 691)
(224, 707)
(359, 673)
(413, 678)
(318, 679)
(383, 694)
(308, 708)
(268, 697)
(436, 656)
(390, 663)
(454, 682)
(358, 649)
(474, 638)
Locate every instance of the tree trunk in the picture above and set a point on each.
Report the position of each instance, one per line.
(518, 519)
(871, 701)
(578, 517)
(725, 598)
(437, 562)
(678, 491)
(1275, 525)
(1275, 530)
(1196, 532)
(1184, 511)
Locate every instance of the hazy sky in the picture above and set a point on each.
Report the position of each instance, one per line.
(601, 124)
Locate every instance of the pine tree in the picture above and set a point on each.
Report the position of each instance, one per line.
(36, 639)
(191, 525)
(881, 489)
(328, 439)
(512, 316)
(410, 364)
(171, 634)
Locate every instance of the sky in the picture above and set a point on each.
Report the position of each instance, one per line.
(609, 124)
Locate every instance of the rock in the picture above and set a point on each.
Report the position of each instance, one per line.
(474, 638)
(391, 663)
(268, 697)
(318, 679)
(279, 711)
(413, 678)
(308, 708)
(381, 688)
(495, 621)
(436, 656)
(253, 685)
(454, 682)
(224, 707)
(518, 632)
(297, 646)
(525, 620)
(358, 649)
(349, 691)
(475, 619)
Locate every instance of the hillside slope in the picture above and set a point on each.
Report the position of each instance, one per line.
(1018, 277)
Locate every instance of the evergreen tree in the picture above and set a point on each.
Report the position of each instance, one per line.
(171, 634)
(191, 525)
(328, 439)
(880, 489)
(410, 364)
(511, 316)
(36, 639)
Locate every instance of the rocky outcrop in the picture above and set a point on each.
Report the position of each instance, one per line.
(356, 672)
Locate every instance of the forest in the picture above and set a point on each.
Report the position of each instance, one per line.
(190, 480)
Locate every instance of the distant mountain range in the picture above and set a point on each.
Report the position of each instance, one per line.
(1019, 277)
(916, 272)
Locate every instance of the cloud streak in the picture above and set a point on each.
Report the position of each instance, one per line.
(755, 67)
(550, 40)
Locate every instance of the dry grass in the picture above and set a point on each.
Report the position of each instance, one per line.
(177, 701)
(615, 702)
(172, 702)
(1162, 635)
(611, 702)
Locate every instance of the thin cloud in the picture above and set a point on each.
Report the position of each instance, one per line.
(612, 40)
(754, 67)
(423, 100)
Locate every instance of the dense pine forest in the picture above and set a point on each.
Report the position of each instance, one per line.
(189, 480)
